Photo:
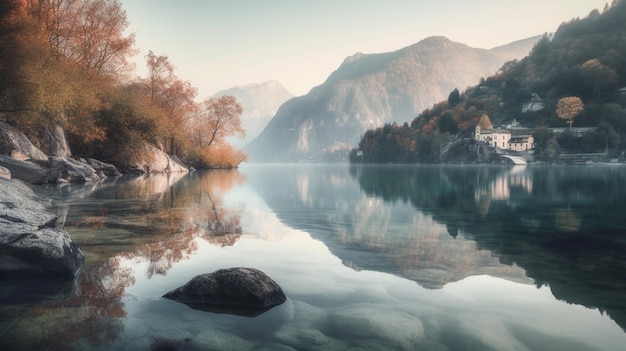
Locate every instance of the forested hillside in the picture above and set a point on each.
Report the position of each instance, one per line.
(584, 59)
(66, 63)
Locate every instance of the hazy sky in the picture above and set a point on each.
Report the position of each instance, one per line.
(220, 44)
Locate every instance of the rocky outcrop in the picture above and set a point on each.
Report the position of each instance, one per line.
(13, 142)
(27, 171)
(56, 143)
(107, 169)
(68, 170)
(25, 161)
(60, 170)
(5, 173)
(241, 291)
(158, 161)
(31, 244)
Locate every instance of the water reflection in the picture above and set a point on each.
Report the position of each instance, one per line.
(557, 226)
(563, 225)
(151, 222)
(373, 233)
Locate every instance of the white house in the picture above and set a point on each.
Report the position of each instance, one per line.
(497, 138)
(521, 143)
(503, 139)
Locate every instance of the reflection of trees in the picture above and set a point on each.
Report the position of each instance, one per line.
(88, 318)
(565, 231)
(366, 233)
(127, 221)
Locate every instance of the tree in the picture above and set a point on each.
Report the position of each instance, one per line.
(220, 118)
(484, 122)
(90, 33)
(569, 107)
(454, 98)
(175, 98)
(542, 135)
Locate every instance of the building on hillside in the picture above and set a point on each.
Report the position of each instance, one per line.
(521, 143)
(516, 139)
(497, 138)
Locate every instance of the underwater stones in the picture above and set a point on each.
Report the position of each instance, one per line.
(395, 328)
(223, 341)
(241, 291)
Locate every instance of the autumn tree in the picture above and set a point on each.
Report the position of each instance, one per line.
(219, 119)
(175, 98)
(484, 122)
(89, 33)
(569, 107)
(60, 58)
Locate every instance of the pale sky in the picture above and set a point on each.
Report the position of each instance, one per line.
(221, 44)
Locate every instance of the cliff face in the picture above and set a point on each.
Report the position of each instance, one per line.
(369, 90)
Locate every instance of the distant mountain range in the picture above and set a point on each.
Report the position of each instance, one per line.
(369, 90)
(260, 102)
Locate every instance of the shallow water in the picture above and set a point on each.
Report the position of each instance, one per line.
(371, 258)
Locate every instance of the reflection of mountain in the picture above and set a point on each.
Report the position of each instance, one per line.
(564, 226)
(366, 233)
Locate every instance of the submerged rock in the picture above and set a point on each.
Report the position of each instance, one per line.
(31, 244)
(241, 291)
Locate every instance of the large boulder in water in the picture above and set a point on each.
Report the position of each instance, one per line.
(31, 244)
(241, 291)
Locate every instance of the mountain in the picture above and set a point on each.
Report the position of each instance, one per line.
(368, 90)
(582, 62)
(260, 101)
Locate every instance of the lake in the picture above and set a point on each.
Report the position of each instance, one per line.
(370, 258)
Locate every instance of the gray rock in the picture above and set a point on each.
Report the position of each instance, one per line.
(67, 169)
(31, 244)
(379, 324)
(27, 171)
(241, 291)
(13, 141)
(107, 169)
(218, 340)
(5, 173)
(158, 161)
(55, 142)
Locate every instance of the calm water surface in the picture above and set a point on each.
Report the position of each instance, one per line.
(371, 258)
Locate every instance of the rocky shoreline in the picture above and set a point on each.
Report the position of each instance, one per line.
(32, 240)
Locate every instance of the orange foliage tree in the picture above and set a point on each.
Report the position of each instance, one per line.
(569, 107)
(176, 99)
(220, 118)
